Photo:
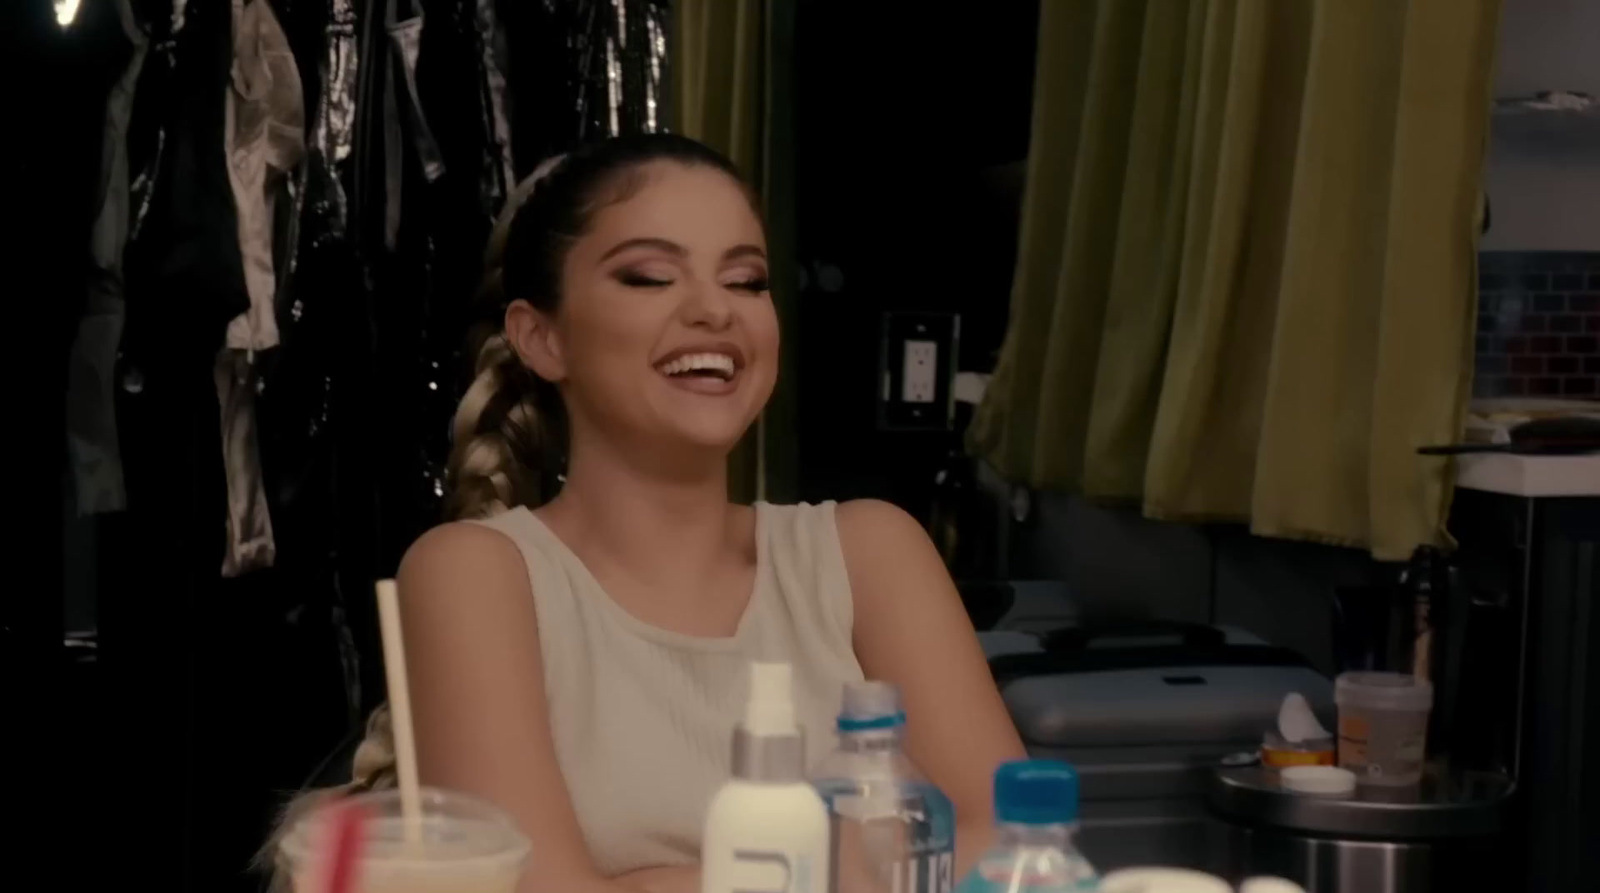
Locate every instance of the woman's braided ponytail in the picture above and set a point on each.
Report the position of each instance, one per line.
(505, 433)
(501, 437)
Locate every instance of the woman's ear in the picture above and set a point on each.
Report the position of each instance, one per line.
(532, 334)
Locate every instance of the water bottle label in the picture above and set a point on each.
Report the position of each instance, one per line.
(907, 846)
(925, 873)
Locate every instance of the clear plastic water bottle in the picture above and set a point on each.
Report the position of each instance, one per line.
(1036, 815)
(893, 831)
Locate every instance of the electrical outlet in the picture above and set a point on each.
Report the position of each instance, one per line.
(916, 365)
(919, 380)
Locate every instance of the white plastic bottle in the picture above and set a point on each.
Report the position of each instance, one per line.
(767, 829)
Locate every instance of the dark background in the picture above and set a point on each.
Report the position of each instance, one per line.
(912, 130)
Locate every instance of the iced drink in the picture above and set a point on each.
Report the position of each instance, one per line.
(466, 846)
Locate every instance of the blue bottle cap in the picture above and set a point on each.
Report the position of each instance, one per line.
(869, 706)
(1036, 792)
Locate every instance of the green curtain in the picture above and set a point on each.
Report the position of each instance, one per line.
(732, 64)
(1246, 274)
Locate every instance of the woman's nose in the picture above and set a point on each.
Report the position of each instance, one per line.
(708, 306)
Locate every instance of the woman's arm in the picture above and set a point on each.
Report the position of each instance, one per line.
(911, 630)
(478, 699)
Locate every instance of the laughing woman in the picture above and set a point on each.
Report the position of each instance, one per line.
(580, 661)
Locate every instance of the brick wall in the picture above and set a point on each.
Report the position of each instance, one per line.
(1538, 324)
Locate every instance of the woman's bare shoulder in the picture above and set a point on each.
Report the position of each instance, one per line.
(877, 531)
(461, 557)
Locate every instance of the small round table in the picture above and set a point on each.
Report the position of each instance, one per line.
(1442, 834)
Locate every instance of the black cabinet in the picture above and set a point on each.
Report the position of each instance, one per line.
(1531, 674)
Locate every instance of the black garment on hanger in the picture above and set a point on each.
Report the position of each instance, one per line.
(223, 689)
(583, 70)
(184, 252)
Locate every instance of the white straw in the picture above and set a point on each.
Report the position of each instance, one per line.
(405, 741)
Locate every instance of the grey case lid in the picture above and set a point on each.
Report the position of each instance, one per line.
(1159, 706)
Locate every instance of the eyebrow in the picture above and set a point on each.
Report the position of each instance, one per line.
(669, 247)
(739, 251)
(676, 250)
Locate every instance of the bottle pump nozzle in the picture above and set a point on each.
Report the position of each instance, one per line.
(767, 745)
(770, 707)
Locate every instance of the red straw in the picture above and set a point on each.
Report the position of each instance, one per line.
(345, 833)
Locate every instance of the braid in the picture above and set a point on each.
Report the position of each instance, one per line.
(499, 451)
(372, 769)
(499, 438)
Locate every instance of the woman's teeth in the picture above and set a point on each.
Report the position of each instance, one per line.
(717, 364)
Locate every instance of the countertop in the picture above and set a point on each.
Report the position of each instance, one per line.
(1529, 475)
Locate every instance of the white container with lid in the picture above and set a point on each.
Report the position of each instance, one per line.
(1383, 691)
(1183, 880)
(1326, 780)
(1162, 880)
(1383, 726)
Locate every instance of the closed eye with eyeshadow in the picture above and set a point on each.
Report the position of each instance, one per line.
(752, 284)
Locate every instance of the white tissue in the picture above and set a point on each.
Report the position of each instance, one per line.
(1296, 722)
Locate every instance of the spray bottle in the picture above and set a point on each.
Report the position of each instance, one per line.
(767, 829)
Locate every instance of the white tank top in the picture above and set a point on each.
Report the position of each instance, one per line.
(643, 717)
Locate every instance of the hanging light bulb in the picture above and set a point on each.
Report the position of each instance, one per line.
(66, 11)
